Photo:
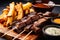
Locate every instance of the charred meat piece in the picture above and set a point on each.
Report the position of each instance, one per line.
(27, 20)
(20, 25)
(27, 28)
(34, 17)
(35, 29)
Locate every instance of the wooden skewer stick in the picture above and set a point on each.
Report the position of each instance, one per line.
(8, 31)
(18, 35)
(27, 35)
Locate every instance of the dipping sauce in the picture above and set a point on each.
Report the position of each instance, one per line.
(41, 5)
(57, 20)
(53, 31)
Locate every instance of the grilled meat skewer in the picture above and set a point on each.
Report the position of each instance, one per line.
(33, 27)
(31, 19)
(27, 27)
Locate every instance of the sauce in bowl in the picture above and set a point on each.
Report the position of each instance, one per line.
(53, 31)
(57, 20)
(41, 5)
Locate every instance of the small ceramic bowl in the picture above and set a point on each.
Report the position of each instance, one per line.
(52, 20)
(49, 36)
(41, 8)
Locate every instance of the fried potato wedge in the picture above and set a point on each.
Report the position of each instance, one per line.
(9, 21)
(27, 5)
(14, 12)
(20, 11)
(3, 16)
(4, 13)
(11, 14)
(12, 9)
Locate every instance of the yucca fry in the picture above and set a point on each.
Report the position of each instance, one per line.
(4, 13)
(12, 9)
(9, 21)
(11, 14)
(27, 5)
(14, 15)
(3, 16)
(20, 11)
(29, 10)
(16, 6)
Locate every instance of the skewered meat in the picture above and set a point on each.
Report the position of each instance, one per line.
(34, 17)
(28, 27)
(27, 20)
(30, 19)
(35, 25)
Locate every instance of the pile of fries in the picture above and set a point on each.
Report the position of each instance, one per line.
(15, 12)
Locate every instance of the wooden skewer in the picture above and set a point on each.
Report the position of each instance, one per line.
(8, 31)
(27, 35)
(18, 35)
